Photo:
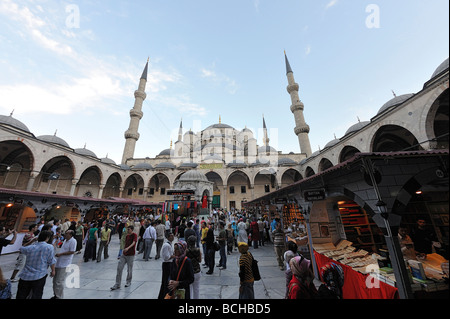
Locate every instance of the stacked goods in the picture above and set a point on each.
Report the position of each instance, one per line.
(348, 255)
(298, 239)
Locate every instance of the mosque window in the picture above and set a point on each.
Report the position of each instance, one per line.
(243, 189)
(267, 188)
(231, 189)
(163, 191)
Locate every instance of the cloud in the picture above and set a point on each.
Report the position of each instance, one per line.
(256, 4)
(330, 4)
(308, 49)
(221, 79)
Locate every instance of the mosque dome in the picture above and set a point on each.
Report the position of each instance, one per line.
(218, 125)
(142, 166)
(286, 162)
(356, 127)
(124, 167)
(84, 151)
(193, 175)
(188, 165)
(107, 161)
(11, 121)
(332, 143)
(441, 68)
(266, 148)
(237, 164)
(167, 152)
(395, 102)
(165, 165)
(53, 139)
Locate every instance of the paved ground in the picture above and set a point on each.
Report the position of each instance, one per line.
(97, 278)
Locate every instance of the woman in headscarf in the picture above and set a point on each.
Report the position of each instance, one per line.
(332, 276)
(301, 285)
(181, 271)
(245, 272)
(254, 230)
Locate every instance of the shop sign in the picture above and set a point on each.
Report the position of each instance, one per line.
(181, 192)
(314, 195)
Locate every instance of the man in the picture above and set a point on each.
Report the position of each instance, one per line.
(261, 226)
(204, 230)
(65, 226)
(222, 239)
(424, 238)
(149, 237)
(167, 255)
(105, 237)
(189, 230)
(38, 258)
(65, 256)
(210, 251)
(3, 235)
(160, 234)
(197, 232)
(28, 239)
(278, 244)
(127, 258)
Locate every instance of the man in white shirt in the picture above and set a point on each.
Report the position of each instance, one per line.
(64, 259)
(160, 235)
(149, 237)
(167, 255)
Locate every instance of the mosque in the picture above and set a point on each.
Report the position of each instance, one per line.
(233, 168)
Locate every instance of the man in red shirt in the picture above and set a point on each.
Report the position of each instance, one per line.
(127, 258)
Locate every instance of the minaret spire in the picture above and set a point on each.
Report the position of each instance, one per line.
(297, 107)
(180, 131)
(136, 114)
(266, 139)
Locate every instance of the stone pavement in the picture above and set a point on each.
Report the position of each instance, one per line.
(96, 279)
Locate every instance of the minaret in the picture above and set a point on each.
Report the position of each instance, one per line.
(301, 128)
(132, 134)
(266, 139)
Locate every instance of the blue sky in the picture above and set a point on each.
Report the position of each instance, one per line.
(76, 73)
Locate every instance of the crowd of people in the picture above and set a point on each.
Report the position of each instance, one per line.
(184, 245)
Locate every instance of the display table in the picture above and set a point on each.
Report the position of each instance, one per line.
(355, 286)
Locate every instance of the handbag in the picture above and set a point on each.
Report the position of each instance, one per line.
(255, 270)
(216, 246)
(178, 293)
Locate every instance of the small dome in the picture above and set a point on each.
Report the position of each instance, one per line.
(165, 165)
(395, 102)
(167, 152)
(125, 167)
(107, 161)
(9, 120)
(193, 175)
(258, 163)
(266, 149)
(441, 68)
(188, 165)
(286, 161)
(237, 164)
(142, 166)
(84, 151)
(303, 161)
(356, 127)
(332, 143)
(53, 139)
(314, 154)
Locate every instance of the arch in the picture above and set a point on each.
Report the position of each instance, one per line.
(240, 174)
(265, 181)
(158, 185)
(112, 186)
(89, 182)
(347, 152)
(290, 176)
(324, 164)
(309, 172)
(56, 176)
(133, 186)
(16, 164)
(437, 120)
(393, 138)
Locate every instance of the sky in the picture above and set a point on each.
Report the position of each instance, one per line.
(71, 67)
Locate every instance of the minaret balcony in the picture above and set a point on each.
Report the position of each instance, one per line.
(292, 87)
(140, 94)
(132, 135)
(301, 129)
(299, 106)
(136, 113)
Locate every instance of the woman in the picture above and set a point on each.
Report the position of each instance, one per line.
(288, 255)
(332, 276)
(181, 271)
(301, 285)
(230, 239)
(254, 230)
(247, 280)
(195, 256)
(242, 235)
(91, 245)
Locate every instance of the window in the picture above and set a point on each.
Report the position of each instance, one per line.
(267, 188)
(130, 191)
(243, 189)
(141, 191)
(163, 191)
(152, 191)
(231, 189)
